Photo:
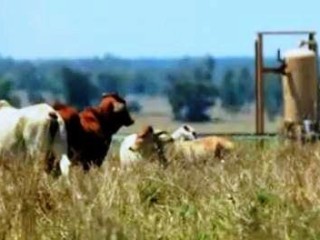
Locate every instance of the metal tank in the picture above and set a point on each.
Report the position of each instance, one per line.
(300, 87)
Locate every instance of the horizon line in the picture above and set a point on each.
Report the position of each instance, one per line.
(129, 58)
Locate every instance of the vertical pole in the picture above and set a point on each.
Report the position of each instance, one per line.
(257, 122)
(311, 41)
(314, 46)
(259, 86)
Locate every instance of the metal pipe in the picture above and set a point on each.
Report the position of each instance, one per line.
(287, 32)
(277, 70)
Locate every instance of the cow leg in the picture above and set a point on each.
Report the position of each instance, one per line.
(86, 165)
(219, 151)
(49, 164)
(64, 165)
(60, 149)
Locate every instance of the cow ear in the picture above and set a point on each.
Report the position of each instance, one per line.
(186, 127)
(118, 107)
(146, 131)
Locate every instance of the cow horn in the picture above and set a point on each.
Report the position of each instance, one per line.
(161, 132)
(118, 107)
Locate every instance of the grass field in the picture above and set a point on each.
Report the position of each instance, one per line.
(270, 193)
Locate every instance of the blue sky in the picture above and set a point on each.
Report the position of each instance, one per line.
(146, 28)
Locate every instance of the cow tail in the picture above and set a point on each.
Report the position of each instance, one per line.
(53, 126)
(53, 129)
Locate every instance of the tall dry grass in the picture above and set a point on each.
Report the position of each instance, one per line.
(272, 193)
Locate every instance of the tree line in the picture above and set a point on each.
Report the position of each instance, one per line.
(190, 84)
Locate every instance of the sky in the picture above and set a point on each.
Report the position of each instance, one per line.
(41, 29)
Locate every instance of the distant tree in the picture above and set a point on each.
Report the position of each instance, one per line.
(273, 95)
(112, 82)
(78, 88)
(6, 65)
(53, 81)
(28, 77)
(6, 88)
(236, 90)
(6, 92)
(191, 93)
(144, 83)
(205, 69)
(245, 85)
(134, 106)
(36, 97)
(229, 93)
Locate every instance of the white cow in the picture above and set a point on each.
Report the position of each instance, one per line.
(184, 133)
(36, 132)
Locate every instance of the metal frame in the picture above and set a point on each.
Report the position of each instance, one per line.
(261, 69)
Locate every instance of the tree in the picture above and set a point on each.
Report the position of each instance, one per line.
(6, 88)
(229, 93)
(36, 97)
(273, 95)
(112, 82)
(144, 83)
(245, 85)
(191, 92)
(78, 89)
(28, 77)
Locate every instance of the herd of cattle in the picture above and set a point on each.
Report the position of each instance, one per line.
(60, 136)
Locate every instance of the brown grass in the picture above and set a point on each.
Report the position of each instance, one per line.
(272, 193)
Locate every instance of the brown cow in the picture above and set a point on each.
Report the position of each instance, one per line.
(90, 131)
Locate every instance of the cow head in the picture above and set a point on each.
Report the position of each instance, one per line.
(184, 133)
(149, 145)
(144, 139)
(114, 111)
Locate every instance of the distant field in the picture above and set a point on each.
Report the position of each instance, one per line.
(157, 112)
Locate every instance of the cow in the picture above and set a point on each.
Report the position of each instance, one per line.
(138, 147)
(150, 144)
(36, 133)
(203, 148)
(184, 133)
(128, 146)
(90, 131)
